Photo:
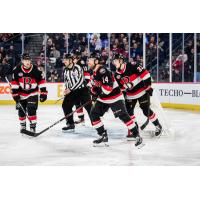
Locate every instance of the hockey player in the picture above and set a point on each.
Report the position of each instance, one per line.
(108, 94)
(136, 81)
(76, 54)
(76, 92)
(26, 82)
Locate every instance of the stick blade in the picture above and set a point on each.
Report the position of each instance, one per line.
(28, 132)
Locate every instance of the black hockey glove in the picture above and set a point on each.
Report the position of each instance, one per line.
(43, 94)
(94, 93)
(16, 98)
(94, 97)
(149, 91)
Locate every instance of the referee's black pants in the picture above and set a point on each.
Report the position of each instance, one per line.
(79, 96)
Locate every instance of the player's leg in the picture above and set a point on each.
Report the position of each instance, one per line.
(144, 102)
(119, 110)
(67, 106)
(84, 98)
(81, 118)
(130, 106)
(22, 115)
(32, 106)
(98, 110)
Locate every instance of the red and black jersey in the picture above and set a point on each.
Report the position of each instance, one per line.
(86, 71)
(108, 89)
(27, 82)
(133, 79)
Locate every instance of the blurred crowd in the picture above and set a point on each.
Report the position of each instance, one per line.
(10, 50)
(55, 45)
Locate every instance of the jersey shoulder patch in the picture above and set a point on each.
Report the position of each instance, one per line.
(117, 76)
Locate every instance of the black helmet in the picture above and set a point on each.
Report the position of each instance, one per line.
(118, 56)
(95, 55)
(68, 56)
(25, 56)
(76, 53)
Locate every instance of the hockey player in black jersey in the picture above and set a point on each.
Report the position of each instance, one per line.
(136, 82)
(27, 82)
(108, 94)
(76, 91)
(76, 54)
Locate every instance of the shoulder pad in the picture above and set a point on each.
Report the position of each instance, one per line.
(102, 70)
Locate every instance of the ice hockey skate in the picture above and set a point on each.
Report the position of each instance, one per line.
(158, 130)
(102, 140)
(69, 128)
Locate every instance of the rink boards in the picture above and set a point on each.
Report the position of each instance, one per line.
(171, 95)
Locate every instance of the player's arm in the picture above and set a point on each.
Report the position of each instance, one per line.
(42, 85)
(146, 78)
(119, 81)
(15, 86)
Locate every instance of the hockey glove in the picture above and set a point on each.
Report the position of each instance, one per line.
(94, 97)
(16, 98)
(94, 93)
(149, 91)
(43, 94)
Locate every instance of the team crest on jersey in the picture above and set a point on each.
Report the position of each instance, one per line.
(102, 71)
(118, 76)
(20, 74)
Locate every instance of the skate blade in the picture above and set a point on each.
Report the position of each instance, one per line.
(68, 131)
(130, 139)
(103, 144)
(140, 146)
(80, 123)
(26, 136)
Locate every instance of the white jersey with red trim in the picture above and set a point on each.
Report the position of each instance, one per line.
(27, 82)
(134, 80)
(108, 89)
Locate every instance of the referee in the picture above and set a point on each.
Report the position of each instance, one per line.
(75, 92)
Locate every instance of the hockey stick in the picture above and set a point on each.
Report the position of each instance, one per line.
(20, 105)
(147, 121)
(57, 122)
(59, 100)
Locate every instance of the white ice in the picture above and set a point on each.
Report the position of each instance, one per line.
(180, 146)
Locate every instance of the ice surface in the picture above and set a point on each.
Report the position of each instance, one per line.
(179, 146)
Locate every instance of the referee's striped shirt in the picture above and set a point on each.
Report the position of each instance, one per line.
(74, 78)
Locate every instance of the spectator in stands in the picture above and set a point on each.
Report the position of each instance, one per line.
(177, 69)
(55, 52)
(52, 76)
(6, 69)
(135, 51)
(95, 42)
(3, 52)
(1, 57)
(11, 53)
(151, 54)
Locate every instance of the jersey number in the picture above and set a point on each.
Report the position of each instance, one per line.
(105, 79)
